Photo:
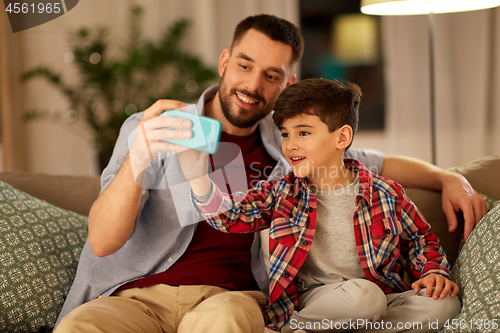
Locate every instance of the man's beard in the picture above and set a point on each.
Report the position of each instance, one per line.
(241, 118)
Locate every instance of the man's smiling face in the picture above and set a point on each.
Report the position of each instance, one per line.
(254, 73)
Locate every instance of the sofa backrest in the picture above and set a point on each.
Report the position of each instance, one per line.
(75, 193)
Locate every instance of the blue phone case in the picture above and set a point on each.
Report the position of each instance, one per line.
(206, 131)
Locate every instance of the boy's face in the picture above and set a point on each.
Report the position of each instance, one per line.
(254, 73)
(310, 148)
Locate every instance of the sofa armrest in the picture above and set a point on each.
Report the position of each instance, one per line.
(484, 176)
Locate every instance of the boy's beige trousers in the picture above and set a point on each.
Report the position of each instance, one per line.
(170, 309)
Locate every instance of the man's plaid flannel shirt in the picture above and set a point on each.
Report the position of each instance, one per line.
(386, 224)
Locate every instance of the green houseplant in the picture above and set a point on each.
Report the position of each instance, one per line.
(111, 87)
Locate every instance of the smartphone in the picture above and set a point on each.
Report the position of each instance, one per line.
(206, 131)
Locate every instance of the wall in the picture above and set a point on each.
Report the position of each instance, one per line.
(467, 77)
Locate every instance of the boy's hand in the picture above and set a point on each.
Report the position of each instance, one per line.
(193, 163)
(442, 286)
(194, 167)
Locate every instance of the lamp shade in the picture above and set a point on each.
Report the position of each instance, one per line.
(354, 39)
(420, 7)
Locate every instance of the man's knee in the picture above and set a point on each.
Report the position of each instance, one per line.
(81, 318)
(226, 312)
(236, 304)
(109, 314)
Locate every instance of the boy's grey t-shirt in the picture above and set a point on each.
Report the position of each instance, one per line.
(333, 256)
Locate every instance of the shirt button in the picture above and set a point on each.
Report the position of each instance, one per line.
(304, 243)
(290, 215)
(170, 259)
(287, 275)
(387, 231)
(310, 209)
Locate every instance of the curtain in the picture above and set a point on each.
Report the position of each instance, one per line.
(13, 143)
(467, 80)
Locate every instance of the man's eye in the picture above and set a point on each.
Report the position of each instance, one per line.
(269, 76)
(244, 66)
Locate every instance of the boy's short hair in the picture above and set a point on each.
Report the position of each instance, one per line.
(335, 103)
(275, 28)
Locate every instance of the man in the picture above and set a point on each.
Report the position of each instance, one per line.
(167, 274)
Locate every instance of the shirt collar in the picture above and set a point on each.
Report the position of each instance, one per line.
(365, 179)
(205, 97)
(299, 184)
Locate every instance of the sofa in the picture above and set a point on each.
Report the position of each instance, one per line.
(43, 226)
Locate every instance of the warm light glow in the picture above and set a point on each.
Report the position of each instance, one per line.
(419, 7)
(354, 39)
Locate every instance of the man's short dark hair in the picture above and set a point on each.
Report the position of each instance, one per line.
(335, 103)
(275, 28)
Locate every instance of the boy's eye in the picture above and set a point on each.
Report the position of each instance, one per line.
(304, 133)
(244, 66)
(284, 135)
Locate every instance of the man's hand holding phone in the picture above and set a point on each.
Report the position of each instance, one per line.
(166, 126)
(154, 130)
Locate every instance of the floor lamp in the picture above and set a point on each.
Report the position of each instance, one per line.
(429, 8)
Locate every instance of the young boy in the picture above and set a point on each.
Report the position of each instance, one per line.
(349, 278)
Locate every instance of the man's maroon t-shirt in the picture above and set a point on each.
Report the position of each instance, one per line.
(214, 258)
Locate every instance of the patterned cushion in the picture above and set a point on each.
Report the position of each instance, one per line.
(40, 246)
(477, 272)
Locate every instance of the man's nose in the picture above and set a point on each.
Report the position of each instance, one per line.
(254, 82)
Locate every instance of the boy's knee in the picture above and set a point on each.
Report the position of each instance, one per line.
(368, 293)
(444, 309)
(433, 310)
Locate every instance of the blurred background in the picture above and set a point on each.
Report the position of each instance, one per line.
(66, 85)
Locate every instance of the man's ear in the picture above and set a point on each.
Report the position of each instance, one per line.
(345, 137)
(223, 60)
(292, 80)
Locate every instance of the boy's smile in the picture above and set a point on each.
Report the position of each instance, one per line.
(312, 150)
(296, 159)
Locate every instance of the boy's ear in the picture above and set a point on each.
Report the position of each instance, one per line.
(223, 60)
(292, 80)
(345, 137)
